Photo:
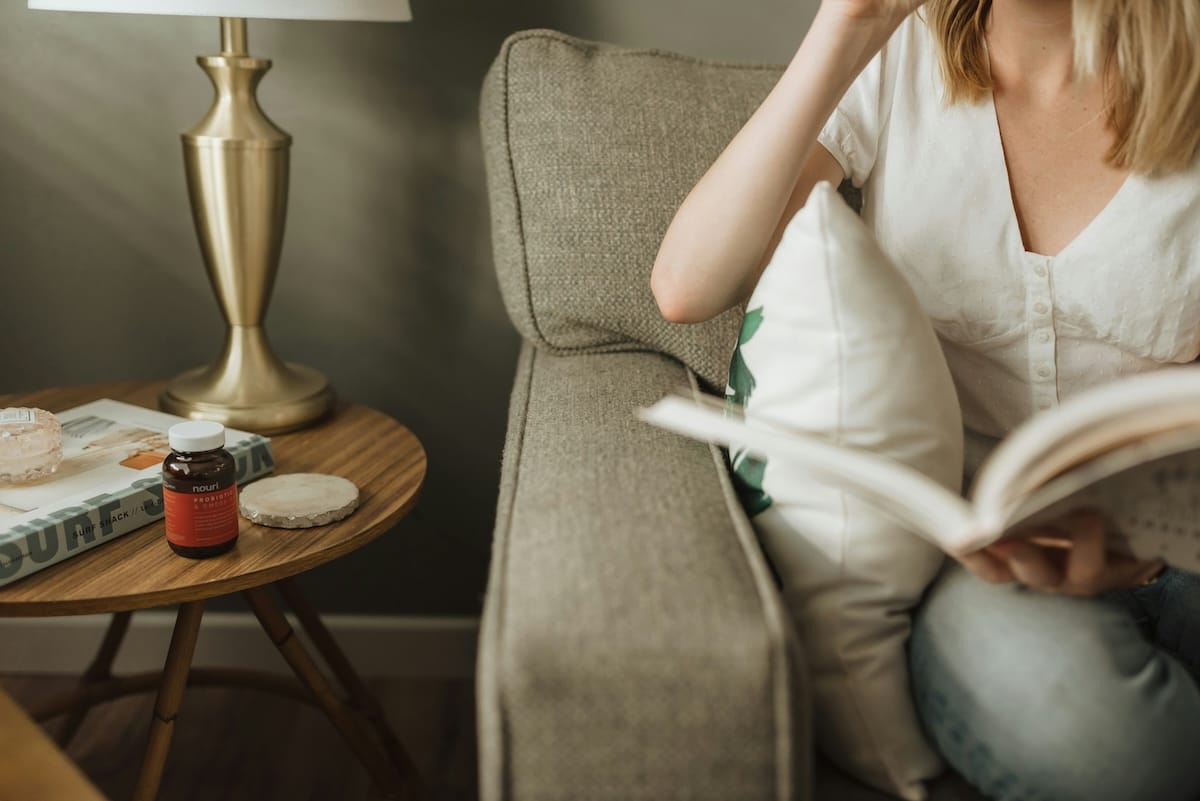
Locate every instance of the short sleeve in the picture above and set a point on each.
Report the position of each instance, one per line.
(853, 132)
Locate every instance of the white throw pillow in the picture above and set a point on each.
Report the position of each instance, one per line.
(835, 342)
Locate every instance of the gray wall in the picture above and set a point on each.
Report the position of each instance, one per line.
(386, 281)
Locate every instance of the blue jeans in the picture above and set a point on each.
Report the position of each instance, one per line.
(1037, 697)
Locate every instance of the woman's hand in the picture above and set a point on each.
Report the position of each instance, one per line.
(1067, 557)
(872, 9)
(865, 24)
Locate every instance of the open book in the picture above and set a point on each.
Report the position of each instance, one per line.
(1130, 449)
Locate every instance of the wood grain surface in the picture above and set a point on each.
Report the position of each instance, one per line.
(31, 766)
(138, 570)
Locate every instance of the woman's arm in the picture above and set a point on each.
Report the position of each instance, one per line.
(726, 229)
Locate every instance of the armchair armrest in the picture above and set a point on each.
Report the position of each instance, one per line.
(633, 643)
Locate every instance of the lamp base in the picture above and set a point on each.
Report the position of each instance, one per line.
(249, 388)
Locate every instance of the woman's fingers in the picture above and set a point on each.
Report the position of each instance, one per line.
(1090, 567)
(987, 567)
(1033, 566)
(1087, 561)
(1070, 557)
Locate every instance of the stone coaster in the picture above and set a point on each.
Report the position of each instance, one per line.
(298, 500)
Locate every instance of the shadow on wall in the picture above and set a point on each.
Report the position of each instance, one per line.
(410, 194)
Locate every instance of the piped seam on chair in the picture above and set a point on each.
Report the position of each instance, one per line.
(609, 50)
(516, 190)
(495, 633)
(787, 726)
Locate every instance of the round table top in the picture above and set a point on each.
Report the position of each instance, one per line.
(138, 570)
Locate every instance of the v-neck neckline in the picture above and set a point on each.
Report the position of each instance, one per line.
(997, 140)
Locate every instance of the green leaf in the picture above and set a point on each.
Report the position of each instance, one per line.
(748, 477)
(750, 324)
(741, 380)
(747, 471)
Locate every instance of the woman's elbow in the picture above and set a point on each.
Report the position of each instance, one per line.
(675, 303)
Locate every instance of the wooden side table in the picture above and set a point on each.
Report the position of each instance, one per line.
(139, 571)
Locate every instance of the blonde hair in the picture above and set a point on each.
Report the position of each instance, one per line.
(1146, 50)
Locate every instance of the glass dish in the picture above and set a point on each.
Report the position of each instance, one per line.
(30, 445)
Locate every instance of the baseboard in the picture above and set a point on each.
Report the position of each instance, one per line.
(378, 646)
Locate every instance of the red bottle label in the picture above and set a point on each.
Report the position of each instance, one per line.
(200, 519)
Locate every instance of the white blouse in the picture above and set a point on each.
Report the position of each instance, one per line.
(1020, 330)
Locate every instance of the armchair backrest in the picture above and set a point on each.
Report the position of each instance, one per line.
(590, 149)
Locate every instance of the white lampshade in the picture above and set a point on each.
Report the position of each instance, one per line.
(361, 10)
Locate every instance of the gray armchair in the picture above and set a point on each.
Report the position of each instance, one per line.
(634, 646)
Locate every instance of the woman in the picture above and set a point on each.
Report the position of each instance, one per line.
(1031, 166)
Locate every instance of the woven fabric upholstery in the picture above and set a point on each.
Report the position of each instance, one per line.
(590, 149)
(633, 647)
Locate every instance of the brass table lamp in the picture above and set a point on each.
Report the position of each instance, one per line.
(236, 161)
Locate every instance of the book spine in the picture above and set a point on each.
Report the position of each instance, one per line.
(72, 530)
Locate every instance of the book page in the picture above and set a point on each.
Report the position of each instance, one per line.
(916, 501)
(1152, 502)
(1098, 421)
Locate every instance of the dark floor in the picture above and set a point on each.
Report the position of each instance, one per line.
(247, 745)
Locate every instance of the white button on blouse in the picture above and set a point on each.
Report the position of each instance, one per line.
(1020, 330)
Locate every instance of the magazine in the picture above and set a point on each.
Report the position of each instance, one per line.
(1129, 449)
(109, 484)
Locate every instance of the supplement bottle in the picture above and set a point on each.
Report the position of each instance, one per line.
(199, 490)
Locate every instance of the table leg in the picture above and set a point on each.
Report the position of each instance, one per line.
(360, 696)
(383, 773)
(98, 672)
(170, 696)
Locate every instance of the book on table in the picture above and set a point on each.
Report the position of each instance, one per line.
(109, 484)
(1129, 449)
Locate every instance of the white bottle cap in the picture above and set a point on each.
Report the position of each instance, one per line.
(195, 436)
